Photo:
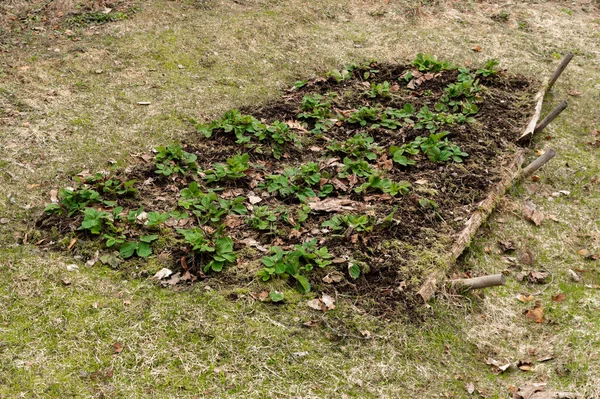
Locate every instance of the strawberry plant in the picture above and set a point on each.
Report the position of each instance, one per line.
(73, 200)
(360, 146)
(218, 250)
(208, 207)
(174, 160)
(234, 121)
(141, 248)
(489, 69)
(364, 115)
(111, 186)
(262, 218)
(359, 168)
(376, 183)
(295, 263)
(429, 63)
(380, 90)
(233, 169)
(358, 223)
(96, 221)
(156, 218)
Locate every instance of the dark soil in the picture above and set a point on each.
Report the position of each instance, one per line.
(390, 255)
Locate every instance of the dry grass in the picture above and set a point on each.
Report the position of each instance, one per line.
(70, 103)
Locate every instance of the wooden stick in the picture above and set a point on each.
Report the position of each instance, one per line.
(563, 64)
(538, 163)
(546, 121)
(475, 283)
(429, 286)
(539, 98)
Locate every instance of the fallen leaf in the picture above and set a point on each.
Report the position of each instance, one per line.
(574, 276)
(54, 196)
(477, 49)
(544, 359)
(331, 204)
(497, 366)
(574, 93)
(276, 296)
(163, 273)
(315, 304)
(531, 214)
(333, 277)
(73, 241)
(366, 333)
(526, 258)
(328, 301)
(537, 277)
(585, 253)
(254, 199)
(535, 178)
(507, 245)
(525, 366)
(4, 221)
(117, 347)
(559, 297)
(536, 314)
(525, 298)
(72, 268)
(470, 387)
(144, 103)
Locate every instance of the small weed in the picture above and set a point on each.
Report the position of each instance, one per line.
(489, 69)
(208, 207)
(380, 90)
(262, 218)
(376, 183)
(429, 63)
(73, 200)
(295, 263)
(361, 146)
(234, 169)
(358, 223)
(219, 250)
(174, 160)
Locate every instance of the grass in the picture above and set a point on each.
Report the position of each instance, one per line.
(57, 340)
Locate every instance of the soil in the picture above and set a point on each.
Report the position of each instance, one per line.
(394, 255)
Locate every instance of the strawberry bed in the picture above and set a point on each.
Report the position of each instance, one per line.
(358, 180)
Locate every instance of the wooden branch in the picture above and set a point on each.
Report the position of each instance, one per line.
(539, 99)
(550, 117)
(475, 283)
(429, 286)
(563, 64)
(538, 163)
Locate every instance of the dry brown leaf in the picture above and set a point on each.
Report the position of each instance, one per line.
(574, 92)
(525, 366)
(531, 214)
(316, 304)
(497, 366)
(507, 245)
(584, 252)
(117, 347)
(537, 277)
(331, 204)
(525, 298)
(559, 297)
(328, 301)
(536, 314)
(477, 49)
(72, 243)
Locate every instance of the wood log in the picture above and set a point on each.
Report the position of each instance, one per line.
(538, 163)
(530, 128)
(475, 283)
(429, 286)
(561, 67)
(550, 117)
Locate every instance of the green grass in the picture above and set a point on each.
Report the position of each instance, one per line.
(57, 340)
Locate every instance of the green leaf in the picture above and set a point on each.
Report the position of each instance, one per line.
(128, 249)
(148, 239)
(144, 250)
(276, 296)
(354, 270)
(303, 284)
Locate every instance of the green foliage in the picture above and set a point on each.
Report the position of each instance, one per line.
(376, 183)
(439, 150)
(358, 223)
(262, 218)
(276, 296)
(315, 107)
(295, 263)
(399, 154)
(111, 186)
(429, 63)
(174, 160)
(208, 207)
(96, 221)
(358, 167)
(353, 270)
(489, 69)
(234, 121)
(299, 182)
(360, 146)
(218, 250)
(428, 204)
(233, 169)
(380, 90)
(364, 115)
(73, 200)
(142, 248)
(156, 218)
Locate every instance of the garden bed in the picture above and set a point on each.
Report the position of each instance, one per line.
(359, 181)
